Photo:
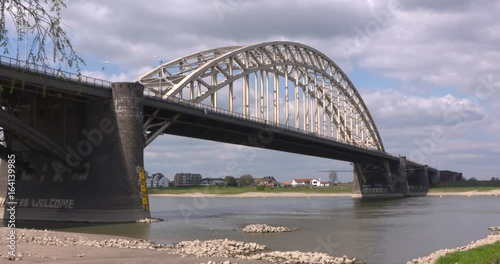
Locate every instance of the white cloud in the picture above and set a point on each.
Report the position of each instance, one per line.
(393, 109)
(447, 47)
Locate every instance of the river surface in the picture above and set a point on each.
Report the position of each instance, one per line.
(380, 232)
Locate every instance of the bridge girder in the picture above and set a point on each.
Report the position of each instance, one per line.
(285, 83)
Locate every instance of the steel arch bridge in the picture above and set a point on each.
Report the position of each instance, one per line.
(282, 83)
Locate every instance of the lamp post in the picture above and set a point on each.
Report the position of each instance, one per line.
(102, 70)
(159, 76)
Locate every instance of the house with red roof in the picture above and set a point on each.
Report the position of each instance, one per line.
(286, 184)
(319, 183)
(302, 182)
(309, 182)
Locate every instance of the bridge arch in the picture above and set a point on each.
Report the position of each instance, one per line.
(284, 83)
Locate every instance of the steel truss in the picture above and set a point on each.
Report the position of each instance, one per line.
(284, 83)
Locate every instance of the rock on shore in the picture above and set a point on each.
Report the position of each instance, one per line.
(253, 251)
(149, 220)
(71, 241)
(433, 257)
(494, 228)
(217, 248)
(225, 262)
(263, 228)
(303, 257)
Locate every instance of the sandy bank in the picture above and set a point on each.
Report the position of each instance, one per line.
(469, 193)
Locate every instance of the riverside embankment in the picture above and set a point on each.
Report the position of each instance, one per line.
(434, 256)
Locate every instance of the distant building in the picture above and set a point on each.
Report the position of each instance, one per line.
(325, 184)
(157, 180)
(315, 182)
(319, 183)
(212, 182)
(163, 182)
(302, 182)
(447, 176)
(149, 182)
(268, 181)
(187, 179)
(286, 183)
(309, 182)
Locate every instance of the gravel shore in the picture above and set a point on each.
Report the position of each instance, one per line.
(433, 257)
(263, 228)
(43, 246)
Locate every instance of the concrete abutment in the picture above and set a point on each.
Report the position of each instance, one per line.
(98, 179)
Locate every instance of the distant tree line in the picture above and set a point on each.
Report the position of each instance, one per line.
(245, 180)
(492, 179)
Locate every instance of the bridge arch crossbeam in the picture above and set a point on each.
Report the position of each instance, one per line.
(166, 75)
(318, 96)
(267, 76)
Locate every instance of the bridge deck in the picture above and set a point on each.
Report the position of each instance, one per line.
(206, 122)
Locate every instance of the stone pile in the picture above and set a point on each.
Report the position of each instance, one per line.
(217, 248)
(225, 262)
(253, 251)
(71, 241)
(263, 228)
(150, 220)
(303, 257)
(433, 257)
(494, 228)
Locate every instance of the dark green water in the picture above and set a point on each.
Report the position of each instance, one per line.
(388, 231)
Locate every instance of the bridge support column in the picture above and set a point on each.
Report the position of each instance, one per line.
(384, 179)
(418, 181)
(434, 177)
(97, 181)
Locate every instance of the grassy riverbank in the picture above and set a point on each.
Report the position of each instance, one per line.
(240, 190)
(489, 254)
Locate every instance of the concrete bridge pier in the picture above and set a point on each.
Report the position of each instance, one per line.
(418, 181)
(384, 179)
(102, 140)
(434, 177)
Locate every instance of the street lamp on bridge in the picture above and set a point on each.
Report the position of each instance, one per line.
(102, 70)
(159, 75)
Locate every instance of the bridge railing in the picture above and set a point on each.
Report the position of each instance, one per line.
(26, 66)
(210, 109)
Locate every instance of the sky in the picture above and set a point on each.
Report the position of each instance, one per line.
(427, 70)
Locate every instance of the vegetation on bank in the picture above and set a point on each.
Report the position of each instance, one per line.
(239, 190)
(488, 254)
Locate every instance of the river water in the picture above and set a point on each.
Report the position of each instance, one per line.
(380, 232)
